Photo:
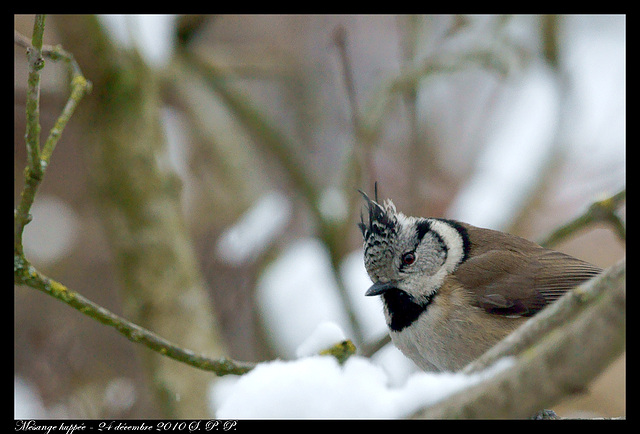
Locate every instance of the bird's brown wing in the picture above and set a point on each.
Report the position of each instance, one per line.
(508, 282)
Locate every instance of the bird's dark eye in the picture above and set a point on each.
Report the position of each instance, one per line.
(408, 258)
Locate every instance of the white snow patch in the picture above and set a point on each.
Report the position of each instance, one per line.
(324, 336)
(514, 156)
(151, 34)
(252, 234)
(296, 293)
(52, 232)
(368, 310)
(26, 401)
(319, 387)
(333, 204)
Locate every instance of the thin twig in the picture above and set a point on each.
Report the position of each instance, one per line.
(259, 127)
(340, 41)
(38, 159)
(418, 166)
(34, 170)
(600, 211)
(26, 274)
(359, 169)
(360, 161)
(368, 349)
(36, 63)
(79, 87)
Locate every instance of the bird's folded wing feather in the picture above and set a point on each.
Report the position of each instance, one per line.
(506, 282)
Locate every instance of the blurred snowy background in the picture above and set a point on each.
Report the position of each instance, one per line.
(522, 130)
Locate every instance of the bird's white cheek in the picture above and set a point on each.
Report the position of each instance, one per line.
(428, 285)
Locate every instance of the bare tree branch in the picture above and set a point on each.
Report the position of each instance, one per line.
(38, 159)
(603, 210)
(26, 274)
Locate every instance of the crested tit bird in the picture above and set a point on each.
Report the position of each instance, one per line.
(451, 290)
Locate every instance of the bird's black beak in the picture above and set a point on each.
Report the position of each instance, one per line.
(379, 288)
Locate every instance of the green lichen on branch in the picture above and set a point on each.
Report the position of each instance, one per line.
(38, 159)
(80, 86)
(341, 351)
(603, 210)
(26, 274)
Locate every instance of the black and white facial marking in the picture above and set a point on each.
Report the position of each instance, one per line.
(402, 309)
(408, 258)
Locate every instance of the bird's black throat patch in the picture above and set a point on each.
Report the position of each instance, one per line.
(402, 308)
